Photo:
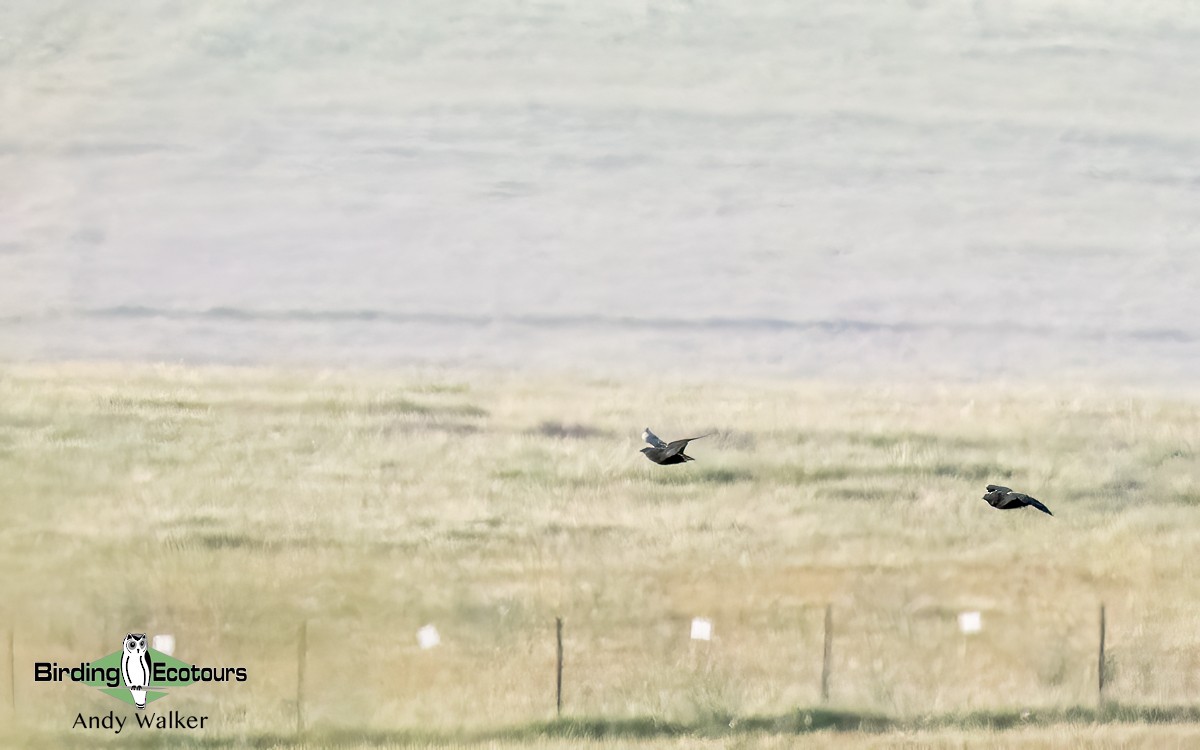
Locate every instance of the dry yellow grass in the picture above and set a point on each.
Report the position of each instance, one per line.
(226, 506)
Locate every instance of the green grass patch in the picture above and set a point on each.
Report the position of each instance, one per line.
(644, 728)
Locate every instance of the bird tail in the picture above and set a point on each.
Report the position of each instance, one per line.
(1040, 507)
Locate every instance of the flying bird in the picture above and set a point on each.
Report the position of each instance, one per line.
(1004, 498)
(667, 453)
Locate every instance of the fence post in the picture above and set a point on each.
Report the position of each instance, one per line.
(828, 653)
(12, 674)
(302, 654)
(1100, 664)
(558, 682)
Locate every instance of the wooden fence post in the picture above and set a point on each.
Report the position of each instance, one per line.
(558, 682)
(1100, 664)
(12, 673)
(825, 667)
(301, 656)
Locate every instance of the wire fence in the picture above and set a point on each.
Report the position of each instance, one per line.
(365, 674)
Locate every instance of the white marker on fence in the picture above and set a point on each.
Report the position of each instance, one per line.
(701, 629)
(427, 637)
(164, 643)
(970, 622)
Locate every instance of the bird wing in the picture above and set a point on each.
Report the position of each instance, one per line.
(653, 439)
(677, 446)
(998, 488)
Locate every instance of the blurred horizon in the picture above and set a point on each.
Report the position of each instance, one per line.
(861, 190)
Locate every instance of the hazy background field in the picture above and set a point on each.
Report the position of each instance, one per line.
(421, 272)
(228, 506)
(916, 188)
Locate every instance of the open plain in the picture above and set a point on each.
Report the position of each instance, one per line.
(232, 506)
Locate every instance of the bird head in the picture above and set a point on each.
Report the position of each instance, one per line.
(645, 450)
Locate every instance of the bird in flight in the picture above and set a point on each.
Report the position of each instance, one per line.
(667, 453)
(1004, 498)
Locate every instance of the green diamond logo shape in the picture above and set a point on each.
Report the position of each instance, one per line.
(155, 690)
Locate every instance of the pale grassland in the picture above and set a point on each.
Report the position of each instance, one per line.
(1071, 737)
(226, 506)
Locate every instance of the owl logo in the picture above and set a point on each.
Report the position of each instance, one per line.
(135, 667)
